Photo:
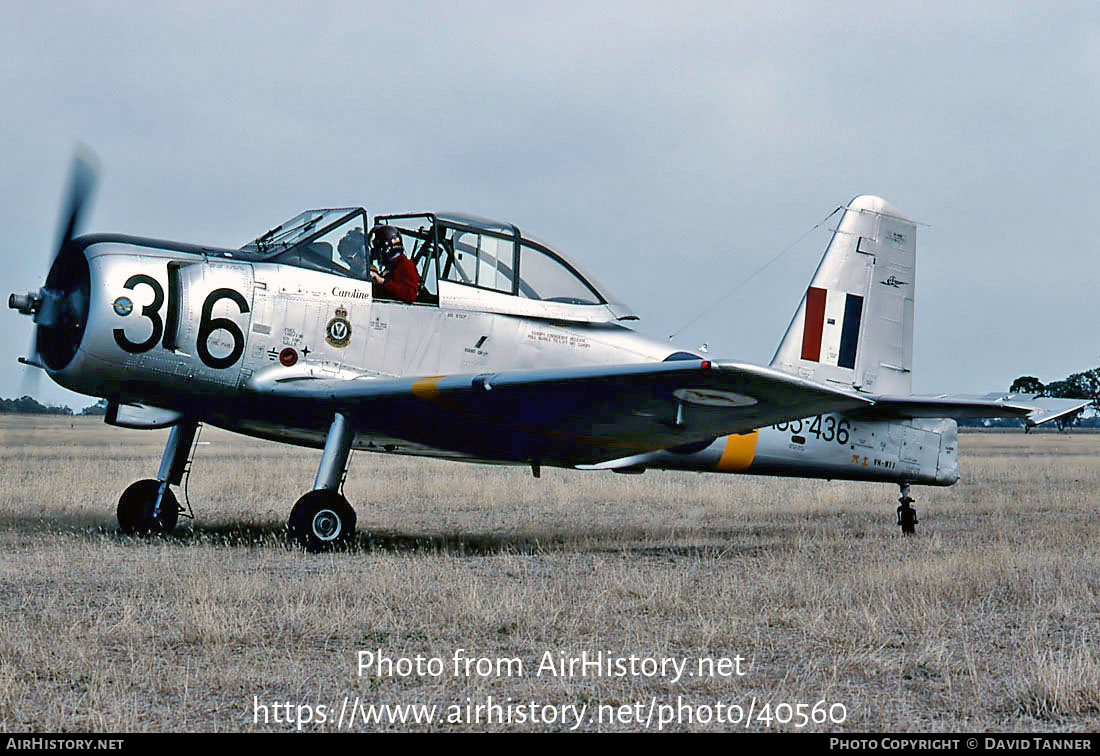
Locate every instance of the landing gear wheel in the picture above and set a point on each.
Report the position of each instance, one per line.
(907, 519)
(135, 509)
(322, 521)
(907, 516)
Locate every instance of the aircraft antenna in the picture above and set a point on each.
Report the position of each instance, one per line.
(755, 273)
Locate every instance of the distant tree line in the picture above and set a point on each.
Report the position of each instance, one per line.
(30, 406)
(1084, 385)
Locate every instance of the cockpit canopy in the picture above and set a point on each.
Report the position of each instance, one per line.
(464, 261)
(327, 240)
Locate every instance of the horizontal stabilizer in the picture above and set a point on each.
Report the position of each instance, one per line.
(1033, 410)
(1048, 408)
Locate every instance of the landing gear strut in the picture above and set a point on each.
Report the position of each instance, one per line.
(907, 515)
(149, 506)
(323, 520)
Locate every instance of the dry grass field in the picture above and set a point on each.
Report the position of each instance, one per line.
(988, 619)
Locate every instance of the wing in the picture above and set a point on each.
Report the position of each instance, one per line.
(1033, 410)
(563, 415)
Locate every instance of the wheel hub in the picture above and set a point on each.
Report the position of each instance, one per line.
(326, 525)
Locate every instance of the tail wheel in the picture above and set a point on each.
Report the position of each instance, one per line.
(136, 505)
(907, 518)
(322, 521)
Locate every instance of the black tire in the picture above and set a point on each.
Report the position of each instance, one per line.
(135, 509)
(322, 521)
(907, 519)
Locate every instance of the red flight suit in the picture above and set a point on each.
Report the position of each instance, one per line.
(402, 281)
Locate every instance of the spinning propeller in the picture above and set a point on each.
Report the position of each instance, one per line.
(60, 308)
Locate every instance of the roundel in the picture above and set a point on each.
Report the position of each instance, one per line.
(713, 397)
(123, 306)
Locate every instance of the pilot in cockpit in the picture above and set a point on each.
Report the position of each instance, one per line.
(398, 278)
(353, 252)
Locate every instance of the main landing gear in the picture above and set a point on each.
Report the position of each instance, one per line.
(323, 520)
(149, 506)
(907, 515)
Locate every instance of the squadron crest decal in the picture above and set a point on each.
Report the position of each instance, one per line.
(338, 330)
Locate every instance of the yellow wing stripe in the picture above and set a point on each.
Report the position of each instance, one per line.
(739, 452)
(427, 388)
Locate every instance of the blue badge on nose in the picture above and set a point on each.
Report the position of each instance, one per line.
(123, 306)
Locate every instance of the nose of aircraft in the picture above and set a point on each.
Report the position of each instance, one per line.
(60, 308)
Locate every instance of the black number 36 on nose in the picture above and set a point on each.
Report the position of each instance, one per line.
(207, 323)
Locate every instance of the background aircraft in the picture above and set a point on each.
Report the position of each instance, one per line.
(510, 353)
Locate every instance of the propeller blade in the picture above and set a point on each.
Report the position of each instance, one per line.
(32, 370)
(82, 181)
(31, 381)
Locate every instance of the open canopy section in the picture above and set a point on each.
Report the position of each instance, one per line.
(486, 265)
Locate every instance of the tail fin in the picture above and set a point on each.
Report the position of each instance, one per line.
(854, 327)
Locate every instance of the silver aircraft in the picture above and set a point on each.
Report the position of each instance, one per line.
(510, 353)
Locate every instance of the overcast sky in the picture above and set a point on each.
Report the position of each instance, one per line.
(672, 148)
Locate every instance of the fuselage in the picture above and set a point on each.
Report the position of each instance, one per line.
(189, 329)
